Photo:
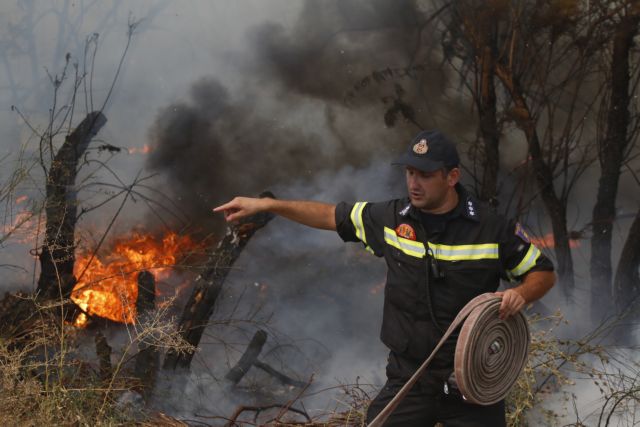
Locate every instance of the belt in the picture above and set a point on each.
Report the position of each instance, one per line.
(490, 354)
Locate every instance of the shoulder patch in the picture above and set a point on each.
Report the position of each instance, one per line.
(471, 208)
(405, 210)
(406, 231)
(521, 233)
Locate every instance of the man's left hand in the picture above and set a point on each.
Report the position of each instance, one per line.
(512, 302)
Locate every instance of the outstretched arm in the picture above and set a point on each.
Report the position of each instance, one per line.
(534, 285)
(313, 214)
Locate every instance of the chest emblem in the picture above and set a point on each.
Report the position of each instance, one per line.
(406, 231)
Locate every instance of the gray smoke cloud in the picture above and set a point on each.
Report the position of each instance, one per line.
(311, 121)
(313, 98)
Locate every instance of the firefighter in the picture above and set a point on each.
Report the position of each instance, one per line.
(442, 248)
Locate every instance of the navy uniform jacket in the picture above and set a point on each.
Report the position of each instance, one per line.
(433, 271)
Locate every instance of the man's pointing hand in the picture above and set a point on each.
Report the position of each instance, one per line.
(241, 207)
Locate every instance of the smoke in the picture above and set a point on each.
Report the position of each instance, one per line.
(320, 301)
(313, 98)
(317, 117)
(331, 44)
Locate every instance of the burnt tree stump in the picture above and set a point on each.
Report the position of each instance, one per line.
(148, 358)
(208, 285)
(103, 350)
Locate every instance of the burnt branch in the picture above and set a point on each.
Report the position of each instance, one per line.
(258, 409)
(208, 285)
(279, 375)
(250, 358)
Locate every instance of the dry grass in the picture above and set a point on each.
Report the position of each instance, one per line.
(44, 381)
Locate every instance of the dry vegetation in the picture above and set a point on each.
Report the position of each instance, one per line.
(47, 378)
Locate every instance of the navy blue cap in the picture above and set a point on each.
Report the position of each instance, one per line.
(430, 151)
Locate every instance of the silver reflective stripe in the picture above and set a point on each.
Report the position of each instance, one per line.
(527, 262)
(465, 252)
(356, 220)
(409, 247)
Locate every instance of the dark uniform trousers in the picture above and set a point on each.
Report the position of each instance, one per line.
(427, 404)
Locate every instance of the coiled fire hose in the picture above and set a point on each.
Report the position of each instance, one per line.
(490, 354)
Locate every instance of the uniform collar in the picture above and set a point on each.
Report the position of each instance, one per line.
(467, 207)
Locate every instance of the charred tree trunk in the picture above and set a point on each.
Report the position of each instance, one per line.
(486, 102)
(146, 301)
(148, 358)
(556, 206)
(479, 24)
(611, 153)
(627, 281)
(489, 131)
(57, 257)
(200, 306)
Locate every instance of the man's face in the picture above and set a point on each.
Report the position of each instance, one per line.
(428, 190)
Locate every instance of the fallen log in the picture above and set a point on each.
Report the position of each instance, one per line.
(208, 285)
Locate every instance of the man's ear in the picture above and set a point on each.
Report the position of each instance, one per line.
(453, 177)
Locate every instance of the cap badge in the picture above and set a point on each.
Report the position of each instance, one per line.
(421, 147)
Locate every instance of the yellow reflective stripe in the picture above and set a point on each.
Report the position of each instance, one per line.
(527, 262)
(464, 252)
(356, 220)
(409, 247)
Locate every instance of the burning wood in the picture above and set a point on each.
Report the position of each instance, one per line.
(199, 308)
(109, 285)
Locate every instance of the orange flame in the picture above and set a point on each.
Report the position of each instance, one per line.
(22, 227)
(109, 287)
(145, 149)
(547, 241)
